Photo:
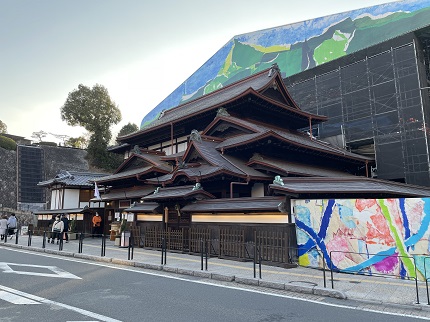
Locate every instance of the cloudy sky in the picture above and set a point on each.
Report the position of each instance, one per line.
(139, 50)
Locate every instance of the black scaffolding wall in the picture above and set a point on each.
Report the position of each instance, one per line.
(30, 161)
(376, 106)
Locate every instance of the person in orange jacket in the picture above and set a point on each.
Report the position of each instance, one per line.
(97, 220)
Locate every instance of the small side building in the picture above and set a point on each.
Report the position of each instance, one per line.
(71, 194)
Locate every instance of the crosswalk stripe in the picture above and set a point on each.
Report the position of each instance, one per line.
(15, 299)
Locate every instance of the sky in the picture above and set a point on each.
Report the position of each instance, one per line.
(139, 50)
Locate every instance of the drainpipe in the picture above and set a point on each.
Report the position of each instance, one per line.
(62, 197)
(238, 183)
(310, 128)
(171, 137)
(367, 170)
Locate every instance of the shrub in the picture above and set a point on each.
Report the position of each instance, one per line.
(7, 143)
(47, 143)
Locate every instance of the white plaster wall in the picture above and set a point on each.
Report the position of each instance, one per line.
(71, 198)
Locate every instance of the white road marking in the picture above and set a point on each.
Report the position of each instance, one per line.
(15, 299)
(42, 300)
(212, 284)
(55, 271)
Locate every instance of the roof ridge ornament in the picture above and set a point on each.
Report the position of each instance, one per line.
(278, 181)
(161, 114)
(195, 136)
(157, 190)
(222, 111)
(197, 186)
(136, 149)
(273, 70)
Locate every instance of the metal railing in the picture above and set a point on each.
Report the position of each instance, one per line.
(362, 272)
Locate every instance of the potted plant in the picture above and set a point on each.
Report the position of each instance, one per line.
(72, 230)
(122, 227)
(124, 235)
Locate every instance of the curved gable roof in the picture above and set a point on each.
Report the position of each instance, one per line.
(254, 85)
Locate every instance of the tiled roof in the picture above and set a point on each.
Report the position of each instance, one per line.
(192, 173)
(256, 83)
(149, 158)
(294, 138)
(217, 164)
(62, 211)
(235, 204)
(122, 175)
(117, 194)
(172, 156)
(73, 179)
(285, 167)
(118, 148)
(180, 192)
(249, 171)
(350, 185)
(152, 207)
(208, 151)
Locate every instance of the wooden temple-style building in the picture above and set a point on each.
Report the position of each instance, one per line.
(233, 159)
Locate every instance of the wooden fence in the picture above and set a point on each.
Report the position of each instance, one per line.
(274, 246)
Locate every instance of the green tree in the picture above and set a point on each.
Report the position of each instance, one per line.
(128, 129)
(93, 109)
(3, 127)
(79, 142)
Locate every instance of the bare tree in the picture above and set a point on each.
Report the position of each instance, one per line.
(61, 137)
(39, 135)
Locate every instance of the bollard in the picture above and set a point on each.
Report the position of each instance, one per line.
(255, 260)
(130, 248)
(259, 260)
(163, 252)
(129, 251)
(206, 254)
(16, 237)
(60, 246)
(44, 239)
(30, 232)
(103, 251)
(201, 254)
(81, 238)
(324, 277)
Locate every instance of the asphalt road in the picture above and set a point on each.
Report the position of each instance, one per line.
(40, 287)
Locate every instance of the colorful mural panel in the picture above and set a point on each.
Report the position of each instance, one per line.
(372, 236)
(298, 47)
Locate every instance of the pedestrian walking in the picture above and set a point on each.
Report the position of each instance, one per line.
(97, 220)
(65, 221)
(11, 224)
(3, 227)
(57, 230)
(50, 233)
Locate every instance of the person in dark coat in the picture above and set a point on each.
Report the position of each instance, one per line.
(66, 227)
(49, 232)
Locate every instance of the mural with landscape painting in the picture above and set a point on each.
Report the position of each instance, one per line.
(298, 47)
(372, 236)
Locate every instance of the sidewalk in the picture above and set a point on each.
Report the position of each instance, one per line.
(369, 290)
